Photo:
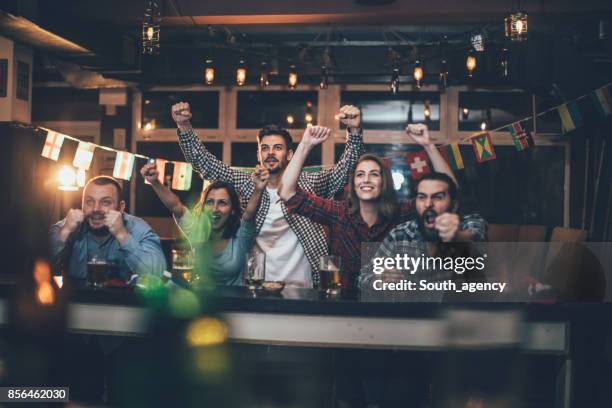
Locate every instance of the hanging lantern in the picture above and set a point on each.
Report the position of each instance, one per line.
(516, 26)
(241, 73)
(264, 75)
(209, 73)
(293, 77)
(151, 28)
(418, 73)
(470, 64)
(478, 42)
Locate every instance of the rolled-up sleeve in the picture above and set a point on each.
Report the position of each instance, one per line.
(320, 210)
(476, 224)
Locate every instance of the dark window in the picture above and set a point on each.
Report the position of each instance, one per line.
(147, 203)
(289, 109)
(496, 108)
(204, 107)
(384, 111)
(244, 154)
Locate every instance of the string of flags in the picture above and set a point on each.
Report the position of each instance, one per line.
(569, 113)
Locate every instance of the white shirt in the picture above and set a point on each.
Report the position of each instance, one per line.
(285, 258)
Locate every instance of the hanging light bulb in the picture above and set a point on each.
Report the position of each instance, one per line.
(293, 77)
(395, 81)
(241, 73)
(516, 27)
(151, 28)
(465, 114)
(483, 125)
(290, 120)
(209, 73)
(443, 74)
(308, 117)
(418, 73)
(427, 111)
(505, 64)
(67, 179)
(264, 75)
(470, 64)
(324, 80)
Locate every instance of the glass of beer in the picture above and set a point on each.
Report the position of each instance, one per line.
(329, 271)
(97, 269)
(255, 269)
(183, 261)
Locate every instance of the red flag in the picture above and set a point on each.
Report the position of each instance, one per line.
(418, 164)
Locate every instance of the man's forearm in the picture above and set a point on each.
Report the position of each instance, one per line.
(293, 170)
(252, 205)
(169, 199)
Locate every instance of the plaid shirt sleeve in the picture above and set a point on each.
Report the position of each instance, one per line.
(477, 225)
(205, 163)
(328, 182)
(320, 210)
(406, 210)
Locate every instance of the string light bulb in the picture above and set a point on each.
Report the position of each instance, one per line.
(209, 73)
(418, 73)
(395, 81)
(516, 26)
(470, 64)
(293, 77)
(264, 75)
(290, 120)
(308, 117)
(483, 125)
(324, 79)
(241, 73)
(427, 111)
(465, 114)
(67, 179)
(443, 79)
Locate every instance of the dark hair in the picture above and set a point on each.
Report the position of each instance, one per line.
(233, 222)
(453, 190)
(105, 181)
(275, 130)
(387, 201)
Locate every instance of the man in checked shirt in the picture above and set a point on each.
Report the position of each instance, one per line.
(292, 243)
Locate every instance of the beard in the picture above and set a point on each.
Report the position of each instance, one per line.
(97, 216)
(429, 234)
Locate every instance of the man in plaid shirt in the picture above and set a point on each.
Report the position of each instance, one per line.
(292, 243)
(436, 228)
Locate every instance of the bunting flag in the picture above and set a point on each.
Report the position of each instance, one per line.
(160, 164)
(181, 178)
(520, 136)
(602, 100)
(452, 155)
(84, 155)
(483, 148)
(124, 164)
(571, 118)
(418, 164)
(53, 145)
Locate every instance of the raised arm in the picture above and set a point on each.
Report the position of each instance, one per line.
(328, 182)
(204, 162)
(420, 134)
(314, 135)
(168, 198)
(260, 181)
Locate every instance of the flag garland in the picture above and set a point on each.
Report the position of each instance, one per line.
(181, 178)
(520, 136)
(124, 164)
(569, 113)
(418, 163)
(84, 155)
(53, 145)
(160, 165)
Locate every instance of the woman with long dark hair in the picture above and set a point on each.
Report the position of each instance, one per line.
(216, 219)
(371, 210)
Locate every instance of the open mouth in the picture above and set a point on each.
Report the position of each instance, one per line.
(366, 189)
(429, 218)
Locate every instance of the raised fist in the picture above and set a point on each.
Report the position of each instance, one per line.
(181, 113)
(260, 177)
(149, 172)
(314, 135)
(74, 218)
(350, 116)
(419, 133)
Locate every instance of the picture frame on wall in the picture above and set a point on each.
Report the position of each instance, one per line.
(3, 77)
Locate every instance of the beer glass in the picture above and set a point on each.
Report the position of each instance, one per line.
(183, 261)
(255, 269)
(97, 269)
(330, 273)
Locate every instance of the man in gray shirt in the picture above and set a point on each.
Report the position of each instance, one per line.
(103, 230)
